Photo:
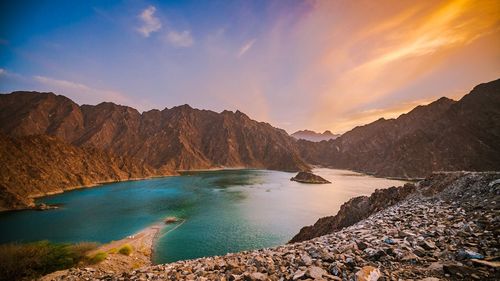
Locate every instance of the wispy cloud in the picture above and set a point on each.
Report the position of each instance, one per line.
(150, 23)
(245, 48)
(81, 92)
(180, 39)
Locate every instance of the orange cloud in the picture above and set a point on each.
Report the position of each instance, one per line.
(387, 50)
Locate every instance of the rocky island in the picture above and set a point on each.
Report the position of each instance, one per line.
(443, 228)
(308, 177)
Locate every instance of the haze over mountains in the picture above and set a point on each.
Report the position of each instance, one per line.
(70, 145)
(313, 136)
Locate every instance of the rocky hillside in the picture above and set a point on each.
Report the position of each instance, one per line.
(445, 135)
(171, 139)
(447, 229)
(354, 210)
(313, 136)
(39, 165)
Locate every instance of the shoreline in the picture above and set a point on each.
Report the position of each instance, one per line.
(436, 234)
(33, 197)
(76, 187)
(142, 243)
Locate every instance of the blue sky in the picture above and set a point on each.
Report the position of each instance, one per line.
(296, 64)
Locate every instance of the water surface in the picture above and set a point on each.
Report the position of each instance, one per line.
(223, 211)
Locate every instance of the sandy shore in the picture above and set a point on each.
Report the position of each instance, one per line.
(142, 243)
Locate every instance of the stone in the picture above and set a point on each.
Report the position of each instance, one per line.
(306, 259)
(468, 254)
(491, 264)
(315, 272)
(361, 245)
(298, 274)
(427, 245)
(257, 276)
(389, 241)
(368, 273)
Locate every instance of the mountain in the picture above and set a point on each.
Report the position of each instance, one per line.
(179, 138)
(444, 135)
(313, 136)
(38, 165)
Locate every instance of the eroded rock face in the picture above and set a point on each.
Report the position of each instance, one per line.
(179, 138)
(419, 238)
(308, 177)
(34, 166)
(355, 210)
(445, 135)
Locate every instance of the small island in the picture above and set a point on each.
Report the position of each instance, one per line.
(308, 177)
(170, 220)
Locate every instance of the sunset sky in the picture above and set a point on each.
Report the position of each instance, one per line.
(296, 64)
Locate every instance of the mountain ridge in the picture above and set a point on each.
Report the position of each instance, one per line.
(443, 135)
(170, 139)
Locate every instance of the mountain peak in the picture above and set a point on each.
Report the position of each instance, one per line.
(314, 136)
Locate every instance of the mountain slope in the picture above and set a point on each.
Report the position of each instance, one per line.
(172, 139)
(444, 135)
(38, 165)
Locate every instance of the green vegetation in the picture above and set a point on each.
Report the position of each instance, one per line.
(98, 257)
(32, 260)
(113, 251)
(125, 250)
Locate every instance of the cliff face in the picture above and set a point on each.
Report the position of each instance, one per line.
(39, 165)
(444, 135)
(171, 139)
(354, 210)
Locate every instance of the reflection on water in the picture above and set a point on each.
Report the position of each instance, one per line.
(224, 211)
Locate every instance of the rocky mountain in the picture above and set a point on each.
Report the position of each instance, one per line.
(171, 139)
(444, 135)
(38, 165)
(313, 136)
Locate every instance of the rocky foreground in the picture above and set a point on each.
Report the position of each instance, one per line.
(448, 229)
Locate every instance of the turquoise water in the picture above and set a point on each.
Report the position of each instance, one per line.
(223, 211)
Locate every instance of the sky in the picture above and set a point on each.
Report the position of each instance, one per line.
(319, 65)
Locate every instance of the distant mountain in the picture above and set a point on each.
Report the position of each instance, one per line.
(444, 135)
(313, 136)
(179, 138)
(39, 165)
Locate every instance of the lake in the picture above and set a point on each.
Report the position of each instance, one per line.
(223, 211)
